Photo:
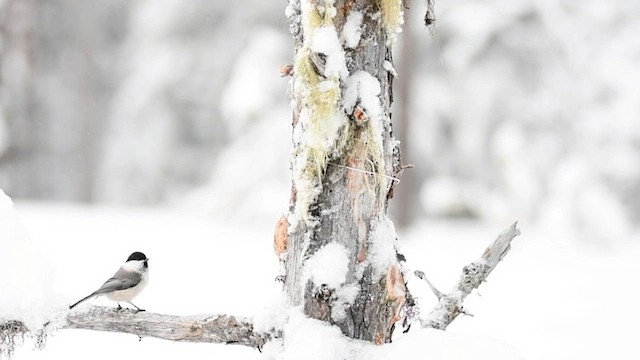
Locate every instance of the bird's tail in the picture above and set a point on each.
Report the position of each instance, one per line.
(83, 299)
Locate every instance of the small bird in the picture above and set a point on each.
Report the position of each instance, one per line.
(126, 283)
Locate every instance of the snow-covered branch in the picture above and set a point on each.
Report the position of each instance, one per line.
(195, 328)
(450, 305)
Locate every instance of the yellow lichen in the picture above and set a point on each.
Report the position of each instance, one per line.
(319, 98)
(392, 18)
(322, 105)
(317, 15)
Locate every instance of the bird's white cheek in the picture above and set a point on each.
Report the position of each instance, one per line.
(133, 266)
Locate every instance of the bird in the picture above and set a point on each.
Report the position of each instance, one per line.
(126, 283)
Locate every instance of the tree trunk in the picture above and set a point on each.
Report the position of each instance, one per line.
(344, 163)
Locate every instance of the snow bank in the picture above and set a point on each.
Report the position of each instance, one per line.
(26, 294)
(308, 339)
(581, 281)
(442, 345)
(311, 339)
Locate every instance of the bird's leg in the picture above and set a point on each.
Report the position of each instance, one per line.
(119, 307)
(134, 305)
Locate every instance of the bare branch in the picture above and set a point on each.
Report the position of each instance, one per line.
(195, 328)
(450, 305)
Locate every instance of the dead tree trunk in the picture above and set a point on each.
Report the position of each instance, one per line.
(345, 163)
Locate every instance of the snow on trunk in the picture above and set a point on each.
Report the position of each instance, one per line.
(344, 163)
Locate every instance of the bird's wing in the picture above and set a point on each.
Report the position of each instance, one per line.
(121, 280)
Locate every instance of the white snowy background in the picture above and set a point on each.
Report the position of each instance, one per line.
(163, 126)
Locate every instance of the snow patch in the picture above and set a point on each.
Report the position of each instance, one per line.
(329, 265)
(289, 10)
(352, 30)
(387, 65)
(345, 296)
(382, 249)
(363, 89)
(325, 41)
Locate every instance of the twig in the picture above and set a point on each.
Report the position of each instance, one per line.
(365, 171)
(421, 275)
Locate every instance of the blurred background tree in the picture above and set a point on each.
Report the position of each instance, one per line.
(514, 109)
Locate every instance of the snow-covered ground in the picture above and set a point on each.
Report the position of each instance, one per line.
(551, 298)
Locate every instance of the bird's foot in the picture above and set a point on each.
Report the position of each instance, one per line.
(135, 306)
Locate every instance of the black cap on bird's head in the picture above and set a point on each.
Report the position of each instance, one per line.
(137, 256)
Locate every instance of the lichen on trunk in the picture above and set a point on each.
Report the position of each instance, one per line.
(344, 163)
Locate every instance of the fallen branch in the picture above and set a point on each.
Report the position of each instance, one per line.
(224, 329)
(450, 305)
(195, 328)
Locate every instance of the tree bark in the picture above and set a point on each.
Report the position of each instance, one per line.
(345, 162)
